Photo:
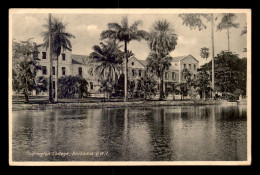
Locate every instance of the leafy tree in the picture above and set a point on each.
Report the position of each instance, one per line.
(124, 33)
(106, 88)
(72, 87)
(187, 82)
(41, 84)
(60, 41)
(25, 66)
(231, 72)
(202, 83)
(171, 88)
(146, 86)
(23, 78)
(158, 63)
(162, 41)
(119, 87)
(182, 89)
(227, 22)
(24, 49)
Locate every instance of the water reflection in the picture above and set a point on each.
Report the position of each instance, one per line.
(131, 134)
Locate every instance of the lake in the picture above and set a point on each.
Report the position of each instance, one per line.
(169, 133)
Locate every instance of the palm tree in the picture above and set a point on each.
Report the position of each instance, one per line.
(204, 53)
(162, 41)
(227, 22)
(108, 60)
(163, 38)
(158, 63)
(60, 41)
(48, 38)
(124, 33)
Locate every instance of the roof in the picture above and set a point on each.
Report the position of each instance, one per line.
(79, 59)
(177, 59)
(143, 62)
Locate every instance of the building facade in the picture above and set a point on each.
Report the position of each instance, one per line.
(71, 64)
(68, 64)
(136, 69)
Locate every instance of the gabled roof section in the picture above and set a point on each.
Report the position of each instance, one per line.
(190, 56)
(142, 62)
(79, 59)
(179, 58)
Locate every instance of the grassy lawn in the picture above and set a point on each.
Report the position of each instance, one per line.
(45, 99)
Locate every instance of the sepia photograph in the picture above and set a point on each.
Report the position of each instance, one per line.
(119, 87)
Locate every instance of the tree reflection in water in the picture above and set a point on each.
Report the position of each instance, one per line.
(172, 133)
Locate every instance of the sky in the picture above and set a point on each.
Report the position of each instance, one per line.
(87, 28)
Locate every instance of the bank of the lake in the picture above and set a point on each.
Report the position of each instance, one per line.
(17, 107)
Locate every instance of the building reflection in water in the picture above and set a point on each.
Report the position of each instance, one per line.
(133, 134)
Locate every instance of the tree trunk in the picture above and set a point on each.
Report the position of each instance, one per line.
(212, 37)
(126, 73)
(161, 88)
(145, 95)
(26, 96)
(228, 39)
(56, 80)
(51, 63)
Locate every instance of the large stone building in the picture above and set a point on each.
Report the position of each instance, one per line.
(173, 74)
(70, 64)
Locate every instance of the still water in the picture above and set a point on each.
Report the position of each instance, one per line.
(173, 133)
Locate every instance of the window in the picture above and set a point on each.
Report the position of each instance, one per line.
(43, 55)
(63, 56)
(189, 66)
(173, 76)
(53, 84)
(184, 66)
(158, 87)
(53, 70)
(80, 70)
(194, 67)
(63, 70)
(133, 72)
(140, 73)
(166, 75)
(91, 85)
(176, 64)
(133, 63)
(44, 70)
(194, 76)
